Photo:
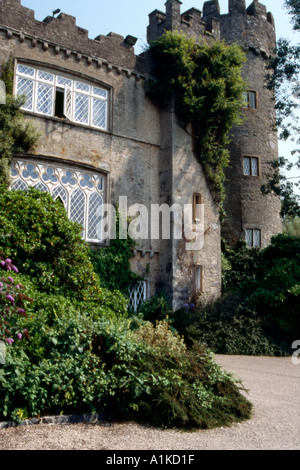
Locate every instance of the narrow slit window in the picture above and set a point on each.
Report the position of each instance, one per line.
(199, 278)
(197, 201)
(250, 99)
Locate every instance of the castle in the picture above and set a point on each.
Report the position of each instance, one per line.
(103, 139)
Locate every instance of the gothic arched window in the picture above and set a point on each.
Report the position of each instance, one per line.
(81, 192)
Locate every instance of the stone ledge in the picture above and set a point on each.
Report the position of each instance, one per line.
(60, 420)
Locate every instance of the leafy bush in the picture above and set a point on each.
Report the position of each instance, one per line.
(274, 292)
(228, 327)
(156, 308)
(259, 313)
(188, 389)
(292, 227)
(112, 263)
(12, 305)
(48, 247)
(239, 265)
(84, 353)
(82, 360)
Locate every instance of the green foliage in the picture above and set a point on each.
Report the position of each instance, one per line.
(292, 227)
(36, 232)
(38, 235)
(274, 292)
(280, 185)
(80, 359)
(112, 264)
(240, 265)
(206, 82)
(187, 387)
(16, 135)
(294, 9)
(84, 353)
(259, 312)
(12, 304)
(156, 308)
(7, 75)
(227, 327)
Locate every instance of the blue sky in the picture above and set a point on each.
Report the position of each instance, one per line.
(131, 17)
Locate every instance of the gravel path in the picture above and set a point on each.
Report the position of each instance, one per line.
(274, 390)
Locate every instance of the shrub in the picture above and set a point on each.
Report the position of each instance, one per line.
(228, 327)
(12, 306)
(239, 265)
(37, 233)
(259, 313)
(186, 387)
(80, 358)
(274, 292)
(292, 227)
(156, 308)
(112, 263)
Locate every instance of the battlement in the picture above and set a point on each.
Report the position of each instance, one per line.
(62, 31)
(211, 22)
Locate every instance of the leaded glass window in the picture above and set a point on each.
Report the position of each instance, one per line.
(247, 166)
(251, 166)
(54, 95)
(137, 295)
(80, 191)
(25, 88)
(254, 166)
(253, 238)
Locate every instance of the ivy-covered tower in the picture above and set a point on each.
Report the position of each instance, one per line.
(251, 215)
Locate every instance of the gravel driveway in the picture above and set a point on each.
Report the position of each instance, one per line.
(274, 390)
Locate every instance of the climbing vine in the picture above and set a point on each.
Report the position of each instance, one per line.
(207, 87)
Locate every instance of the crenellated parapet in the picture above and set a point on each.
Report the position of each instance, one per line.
(190, 22)
(62, 33)
(251, 27)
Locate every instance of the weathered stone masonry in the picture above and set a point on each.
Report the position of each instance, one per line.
(142, 152)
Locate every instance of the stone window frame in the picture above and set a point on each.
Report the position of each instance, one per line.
(66, 181)
(73, 85)
(247, 99)
(251, 158)
(250, 233)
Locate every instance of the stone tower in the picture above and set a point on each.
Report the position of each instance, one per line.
(250, 214)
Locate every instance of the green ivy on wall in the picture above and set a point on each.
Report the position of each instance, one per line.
(206, 84)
